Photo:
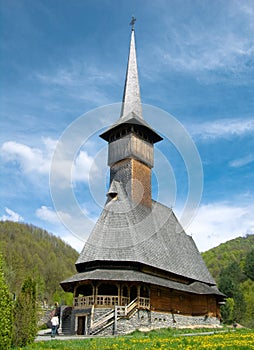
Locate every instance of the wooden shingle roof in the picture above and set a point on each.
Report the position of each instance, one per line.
(137, 234)
(137, 276)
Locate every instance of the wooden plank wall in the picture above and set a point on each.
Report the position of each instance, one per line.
(142, 174)
(162, 299)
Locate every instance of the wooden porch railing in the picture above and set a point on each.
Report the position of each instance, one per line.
(109, 301)
(143, 303)
(81, 302)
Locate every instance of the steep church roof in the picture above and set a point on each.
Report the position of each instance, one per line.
(136, 234)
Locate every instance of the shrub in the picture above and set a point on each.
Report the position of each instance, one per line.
(25, 315)
(6, 311)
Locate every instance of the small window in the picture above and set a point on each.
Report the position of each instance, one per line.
(112, 195)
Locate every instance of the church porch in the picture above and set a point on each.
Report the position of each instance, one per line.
(109, 295)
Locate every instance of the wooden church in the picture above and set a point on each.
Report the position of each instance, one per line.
(138, 268)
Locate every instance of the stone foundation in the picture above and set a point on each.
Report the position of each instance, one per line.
(100, 312)
(145, 320)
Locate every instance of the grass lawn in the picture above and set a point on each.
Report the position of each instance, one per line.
(160, 339)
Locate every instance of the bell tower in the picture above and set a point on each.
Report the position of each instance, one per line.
(131, 139)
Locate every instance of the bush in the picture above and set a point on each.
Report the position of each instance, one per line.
(6, 311)
(25, 315)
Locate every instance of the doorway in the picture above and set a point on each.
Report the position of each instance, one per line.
(82, 325)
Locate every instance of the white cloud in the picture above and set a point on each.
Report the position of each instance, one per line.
(50, 144)
(213, 42)
(11, 216)
(30, 160)
(81, 167)
(218, 222)
(202, 45)
(224, 128)
(48, 214)
(203, 53)
(36, 161)
(237, 163)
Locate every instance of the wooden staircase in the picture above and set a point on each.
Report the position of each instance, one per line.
(114, 315)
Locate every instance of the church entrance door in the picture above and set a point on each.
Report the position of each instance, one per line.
(82, 325)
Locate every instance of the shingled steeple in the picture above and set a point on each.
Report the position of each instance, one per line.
(131, 96)
(131, 111)
(131, 139)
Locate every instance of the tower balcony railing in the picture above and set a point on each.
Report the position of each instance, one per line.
(109, 301)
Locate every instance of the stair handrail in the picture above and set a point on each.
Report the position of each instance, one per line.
(104, 315)
(131, 306)
(102, 319)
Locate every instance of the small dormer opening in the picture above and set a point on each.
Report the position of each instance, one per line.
(112, 195)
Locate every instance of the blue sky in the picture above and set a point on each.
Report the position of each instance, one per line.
(63, 59)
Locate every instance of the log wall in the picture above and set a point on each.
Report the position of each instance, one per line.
(164, 300)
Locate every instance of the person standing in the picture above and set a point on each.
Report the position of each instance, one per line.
(57, 312)
(54, 325)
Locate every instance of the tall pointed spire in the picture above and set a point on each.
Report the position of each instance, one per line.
(131, 97)
(131, 111)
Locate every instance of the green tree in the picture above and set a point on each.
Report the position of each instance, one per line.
(235, 273)
(248, 291)
(240, 305)
(229, 284)
(227, 311)
(25, 314)
(63, 298)
(249, 265)
(226, 285)
(221, 257)
(6, 311)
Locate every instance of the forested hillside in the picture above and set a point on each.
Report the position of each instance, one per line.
(31, 251)
(232, 266)
(235, 250)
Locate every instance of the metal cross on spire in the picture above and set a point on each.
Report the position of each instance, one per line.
(132, 23)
